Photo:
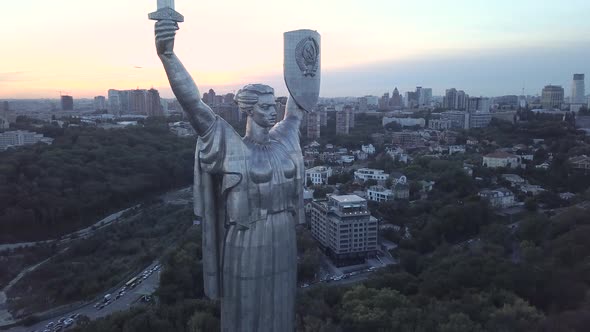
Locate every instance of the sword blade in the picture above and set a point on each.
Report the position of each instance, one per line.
(165, 4)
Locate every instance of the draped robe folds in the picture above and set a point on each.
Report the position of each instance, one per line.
(249, 197)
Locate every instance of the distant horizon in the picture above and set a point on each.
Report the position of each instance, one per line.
(485, 49)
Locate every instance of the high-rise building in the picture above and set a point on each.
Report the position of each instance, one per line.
(384, 102)
(153, 105)
(114, 102)
(5, 106)
(137, 102)
(313, 125)
(363, 104)
(462, 100)
(67, 103)
(211, 100)
(479, 104)
(424, 96)
(552, 97)
(411, 100)
(124, 98)
(480, 119)
(344, 228)
(396, 99)
(100, 103)
(450, 99)
(323, 117)
(228, 99)
(458, 119)
(578, 90)
(351, 115)
(342, 123)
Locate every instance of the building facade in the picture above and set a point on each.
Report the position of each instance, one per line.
(578, 90)
(501, 159)
(342, 123)
(439, 124)
(498, 198)
(318, 175)
(21, 138)
(344, 228)
(67, 103)
(406, 139)
(379, 194)
(458, 119)
(100, 103)
(364, 174)
(153, 104)
(396, 101)
(480, 119)
(552, 97)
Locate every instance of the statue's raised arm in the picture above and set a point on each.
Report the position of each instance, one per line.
(183, 85)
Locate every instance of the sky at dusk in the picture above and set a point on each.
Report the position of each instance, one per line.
(368, 47)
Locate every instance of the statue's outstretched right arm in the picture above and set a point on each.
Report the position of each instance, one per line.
(200, 115)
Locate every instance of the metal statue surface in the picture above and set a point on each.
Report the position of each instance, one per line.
(248, 193)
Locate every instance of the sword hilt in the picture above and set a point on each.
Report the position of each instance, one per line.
(166, 13)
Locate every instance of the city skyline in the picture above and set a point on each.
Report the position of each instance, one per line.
(368, 48)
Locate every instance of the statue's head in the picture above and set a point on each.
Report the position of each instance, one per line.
(258, 102)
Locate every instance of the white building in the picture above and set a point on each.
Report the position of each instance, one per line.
(578, 90)
(439, 124)
(514, 179)
(399, 154)
(365, 174)
(318, 175)
(404, 122)
(458, 119)
(100, 103)
(480, 119)
(369, 149)
(21, 138)
(499, 198)
(531, 189)
(346, 159)
(501, 159)
(456, 149)
(344, 228)
(379, 194)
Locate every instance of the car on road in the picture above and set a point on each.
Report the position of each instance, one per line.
(50, 325)
(68, 322)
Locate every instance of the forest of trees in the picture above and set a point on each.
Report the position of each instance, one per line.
(101, 261)
(88, 172)
(478, 287)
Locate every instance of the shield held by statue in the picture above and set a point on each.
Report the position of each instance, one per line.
(302, 67)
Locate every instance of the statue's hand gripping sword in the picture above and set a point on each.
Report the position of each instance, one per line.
(166, 12)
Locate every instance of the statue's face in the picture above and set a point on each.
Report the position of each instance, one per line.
(264, 112)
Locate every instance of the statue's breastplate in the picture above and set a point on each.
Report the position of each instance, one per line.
(271, 178)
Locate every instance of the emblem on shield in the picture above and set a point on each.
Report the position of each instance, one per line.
(302, 67)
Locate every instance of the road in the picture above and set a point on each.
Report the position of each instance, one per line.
(178, 197)
(130, 299)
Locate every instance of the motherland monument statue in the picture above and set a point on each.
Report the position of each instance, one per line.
(248, 191)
